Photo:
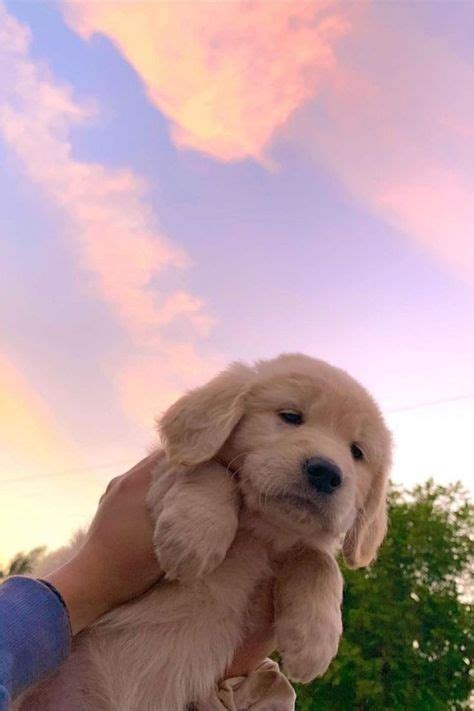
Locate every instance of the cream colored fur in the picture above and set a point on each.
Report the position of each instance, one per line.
(222, 530)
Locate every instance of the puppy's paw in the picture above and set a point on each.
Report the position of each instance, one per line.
(308, 652)
(186, 553)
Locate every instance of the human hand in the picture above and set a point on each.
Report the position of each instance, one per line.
(116, 561)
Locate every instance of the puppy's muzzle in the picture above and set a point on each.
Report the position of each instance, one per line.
(323, 474)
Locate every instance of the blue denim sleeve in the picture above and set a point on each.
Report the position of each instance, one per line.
(35, 635)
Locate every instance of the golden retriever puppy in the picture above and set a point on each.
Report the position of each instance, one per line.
(267, 472)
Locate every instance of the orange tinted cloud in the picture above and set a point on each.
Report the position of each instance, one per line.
(113, 230)
(34, 451)
(28, 432)
(227, 74)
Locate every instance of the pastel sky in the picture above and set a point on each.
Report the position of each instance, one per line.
(186, 184)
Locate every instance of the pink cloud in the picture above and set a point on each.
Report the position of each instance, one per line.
(112, 228)
(149, 382)
(395, 129)
(437, 207)
(238, 70)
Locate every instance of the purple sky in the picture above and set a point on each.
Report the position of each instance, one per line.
(182, 188)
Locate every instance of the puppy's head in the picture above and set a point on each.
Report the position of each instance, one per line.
(308, 442)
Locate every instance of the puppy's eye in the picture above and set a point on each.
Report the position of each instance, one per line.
(291, 417)
(356, 451)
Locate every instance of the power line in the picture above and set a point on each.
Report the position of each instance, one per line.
(431, 403)
(34, 477)
(65, 472)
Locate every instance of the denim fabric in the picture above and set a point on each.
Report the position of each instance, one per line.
(35, 635)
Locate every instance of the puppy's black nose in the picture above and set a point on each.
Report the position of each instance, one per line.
(323, 474)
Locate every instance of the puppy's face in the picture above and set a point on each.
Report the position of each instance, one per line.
(308, 448)
(307, 442)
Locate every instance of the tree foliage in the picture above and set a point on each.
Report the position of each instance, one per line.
(408, 626)
(22, 563)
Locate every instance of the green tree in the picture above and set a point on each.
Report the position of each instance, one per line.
(22, 563)
(408, 625)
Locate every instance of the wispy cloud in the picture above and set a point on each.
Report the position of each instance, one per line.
(111, 225)
(227, 74)
(394, 125)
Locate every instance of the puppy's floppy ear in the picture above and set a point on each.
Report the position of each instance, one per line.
(195, 428)
(368, 531)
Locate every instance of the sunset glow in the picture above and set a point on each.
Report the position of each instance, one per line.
(184, 187)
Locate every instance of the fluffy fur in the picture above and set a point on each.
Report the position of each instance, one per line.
(232, 508)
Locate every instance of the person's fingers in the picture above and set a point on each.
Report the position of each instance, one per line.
(139, 474)
(111, 484)
(145, 464)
